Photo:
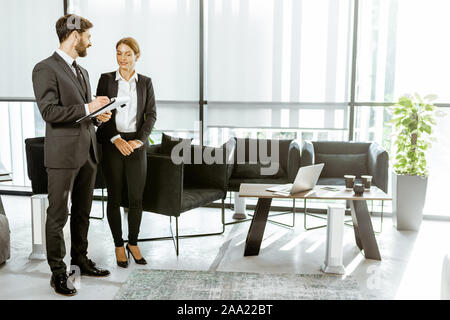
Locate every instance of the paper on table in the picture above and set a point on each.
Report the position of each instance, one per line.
(114, 104)
(282, 193)
(330, 189)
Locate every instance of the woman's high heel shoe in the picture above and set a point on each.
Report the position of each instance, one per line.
(140, 261)
(122, 264)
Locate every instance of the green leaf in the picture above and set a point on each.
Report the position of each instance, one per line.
(412, 117)
(430, 97)
(404, 101)
(429, 107)
(417, 96)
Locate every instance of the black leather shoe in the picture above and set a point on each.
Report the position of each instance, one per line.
(89, 269)
(91, 263)
(62, 284)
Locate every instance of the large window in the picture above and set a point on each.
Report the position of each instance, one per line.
(168, 35)
(277, 68)
(400, 50)
(28, 36)
(269, 68)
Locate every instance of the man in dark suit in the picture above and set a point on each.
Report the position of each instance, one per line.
(63, 95)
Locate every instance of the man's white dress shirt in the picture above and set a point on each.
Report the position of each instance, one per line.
(69, 60)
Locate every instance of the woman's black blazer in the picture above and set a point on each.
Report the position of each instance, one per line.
(146, 107)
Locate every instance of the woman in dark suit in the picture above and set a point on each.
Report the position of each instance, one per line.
(124, 141)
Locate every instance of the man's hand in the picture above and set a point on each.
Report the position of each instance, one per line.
(104, 117)
(97, 103)
(123, 146)
(135, 144)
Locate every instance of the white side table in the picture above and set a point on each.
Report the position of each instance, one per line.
(239, 207)
(335, 238)
(445, 279)
(39, 205)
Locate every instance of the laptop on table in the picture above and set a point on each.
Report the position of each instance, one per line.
(306, 179)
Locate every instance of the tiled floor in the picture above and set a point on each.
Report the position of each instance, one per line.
(410, 269)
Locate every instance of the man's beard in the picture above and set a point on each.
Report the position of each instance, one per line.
(81, 49)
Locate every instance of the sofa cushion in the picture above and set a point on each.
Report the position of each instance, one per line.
(340, 147)
(210, 172)
(338, 165)
(253, 171)
(169, 142)
(246, 143)
(235, 183)
(197, 197)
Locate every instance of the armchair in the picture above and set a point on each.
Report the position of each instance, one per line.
(172, 189)
(34, 149)
(340, 158)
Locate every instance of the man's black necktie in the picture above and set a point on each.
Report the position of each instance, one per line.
(80, 79)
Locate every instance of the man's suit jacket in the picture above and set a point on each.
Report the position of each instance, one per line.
(61, 101)
(146, 107)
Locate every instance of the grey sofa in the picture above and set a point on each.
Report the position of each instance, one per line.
(289, 163)
(5, 247)
(340, 158)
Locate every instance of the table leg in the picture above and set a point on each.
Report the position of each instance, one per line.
(256, 230)
(335, 238)
(364, 234)
(2, 210)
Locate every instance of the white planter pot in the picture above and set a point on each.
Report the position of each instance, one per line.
(408, 199)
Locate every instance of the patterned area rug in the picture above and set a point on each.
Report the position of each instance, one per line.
(202, 285)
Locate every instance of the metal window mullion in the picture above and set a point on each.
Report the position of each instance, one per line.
(201, 72)
(353, 79)
(10, 139)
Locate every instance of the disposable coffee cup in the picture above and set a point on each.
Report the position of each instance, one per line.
(367, 181)
(349, 181)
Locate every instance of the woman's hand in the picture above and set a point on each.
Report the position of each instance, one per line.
(135, 144)
(123, 146)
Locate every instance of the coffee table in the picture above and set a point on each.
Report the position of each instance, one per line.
(362, 225)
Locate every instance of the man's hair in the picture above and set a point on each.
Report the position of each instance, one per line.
(71, 22)
(131, 42)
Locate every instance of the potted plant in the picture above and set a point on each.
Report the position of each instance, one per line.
(413, 121)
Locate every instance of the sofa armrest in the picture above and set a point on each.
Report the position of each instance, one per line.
(34, 149)
(163, 191)
(154, 148)
(378, 163)
(307, 154)
(293, 160)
